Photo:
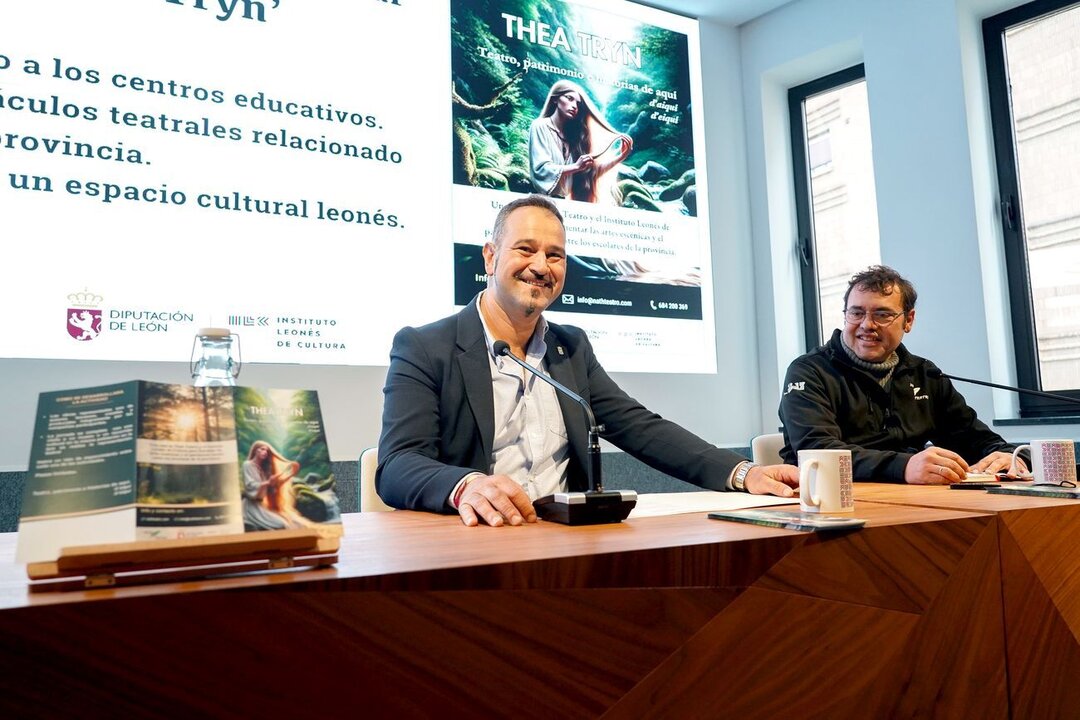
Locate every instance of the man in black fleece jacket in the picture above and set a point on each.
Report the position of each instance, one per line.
(864, 391)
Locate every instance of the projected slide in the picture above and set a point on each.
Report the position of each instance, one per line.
(314, 176)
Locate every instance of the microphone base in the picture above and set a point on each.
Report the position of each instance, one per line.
(586, 508)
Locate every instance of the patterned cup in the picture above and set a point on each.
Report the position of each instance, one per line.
(825, 481)
(1052, 461)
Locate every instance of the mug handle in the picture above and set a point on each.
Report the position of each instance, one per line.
(807, 476)
(1012, 465)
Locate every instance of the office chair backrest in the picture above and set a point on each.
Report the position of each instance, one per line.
(765, 449)
(369, 499)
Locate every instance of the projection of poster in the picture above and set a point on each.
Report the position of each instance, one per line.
(315, 176)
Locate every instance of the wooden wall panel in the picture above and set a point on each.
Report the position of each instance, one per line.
(544, 654)
(954, 665)
(1050, 543)
(773, 654)
(897, 567)
(1043, 649)
(851, 626)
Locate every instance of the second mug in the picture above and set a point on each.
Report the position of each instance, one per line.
(1052, 461)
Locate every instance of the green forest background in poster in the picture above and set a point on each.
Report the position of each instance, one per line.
(186, 414)
(500, 83)
(290, 421)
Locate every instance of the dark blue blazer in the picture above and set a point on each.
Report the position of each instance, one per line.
(439, 418)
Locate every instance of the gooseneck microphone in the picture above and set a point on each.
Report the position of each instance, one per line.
(936, 373)
(576, 508)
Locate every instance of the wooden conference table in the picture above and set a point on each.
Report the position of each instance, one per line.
(949, 603)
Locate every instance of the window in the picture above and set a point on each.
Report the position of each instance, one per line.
(834, 193)
(1032, 61)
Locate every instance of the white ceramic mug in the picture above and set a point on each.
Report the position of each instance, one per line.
(825, 481)
(1052, 461)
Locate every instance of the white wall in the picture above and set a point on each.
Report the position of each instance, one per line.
(936, 189)
(723, 408)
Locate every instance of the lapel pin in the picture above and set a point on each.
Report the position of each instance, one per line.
(561, 351)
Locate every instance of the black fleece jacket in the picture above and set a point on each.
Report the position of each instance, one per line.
(829, 402)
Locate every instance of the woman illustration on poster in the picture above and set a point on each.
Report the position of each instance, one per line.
(269, 503)
(572, 147)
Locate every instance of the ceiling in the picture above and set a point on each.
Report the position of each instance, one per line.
(729, 12)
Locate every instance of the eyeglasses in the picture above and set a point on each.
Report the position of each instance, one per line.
(1062, 484)
(881, 318)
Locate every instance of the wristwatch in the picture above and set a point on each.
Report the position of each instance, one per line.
(738, 481)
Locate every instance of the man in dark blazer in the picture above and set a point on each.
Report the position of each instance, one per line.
(437, 448)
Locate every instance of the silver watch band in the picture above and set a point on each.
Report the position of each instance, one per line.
(739, 480)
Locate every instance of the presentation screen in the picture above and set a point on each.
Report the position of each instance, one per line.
(314, 176)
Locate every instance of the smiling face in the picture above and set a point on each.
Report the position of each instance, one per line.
(526, 265)
(872, 342)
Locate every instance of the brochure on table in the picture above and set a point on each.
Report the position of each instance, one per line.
(141, 460)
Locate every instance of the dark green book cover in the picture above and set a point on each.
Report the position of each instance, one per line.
(790, 520)
(82, 458)
(1055, 491)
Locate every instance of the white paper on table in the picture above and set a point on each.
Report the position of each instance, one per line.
(657, 504)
